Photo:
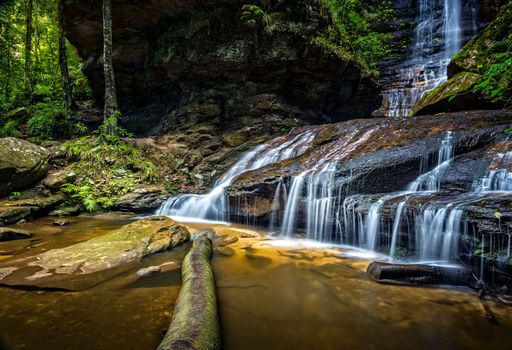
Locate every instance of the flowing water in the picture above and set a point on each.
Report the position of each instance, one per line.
(213, 205)
(438, 37)
(272, 294)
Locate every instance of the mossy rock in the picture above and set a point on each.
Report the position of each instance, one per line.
(452, 95)
(22, 164)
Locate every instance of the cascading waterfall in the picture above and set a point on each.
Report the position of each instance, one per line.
(438, 37)
(499, 177)
(317, 186)
(426, 182)
(213, 205)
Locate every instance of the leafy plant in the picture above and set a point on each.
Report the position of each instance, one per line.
(252, 13)
(10, 129)
(14, 196)
(106, 168)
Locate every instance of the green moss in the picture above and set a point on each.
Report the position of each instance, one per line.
(460, 83)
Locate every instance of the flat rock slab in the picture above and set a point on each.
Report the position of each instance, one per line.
(10, 234)
(86, 264)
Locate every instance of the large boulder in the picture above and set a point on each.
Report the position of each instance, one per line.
(142, 200)
(22, 164)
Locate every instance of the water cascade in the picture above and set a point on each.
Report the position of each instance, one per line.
(427, 230)
(499, 176)
(438, 37)
(213, 205)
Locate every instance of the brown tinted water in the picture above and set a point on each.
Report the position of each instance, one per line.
(272, 295)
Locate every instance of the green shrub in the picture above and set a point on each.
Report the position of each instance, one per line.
(46, 117)
(10, 128)
(14, 196)
(106, 169)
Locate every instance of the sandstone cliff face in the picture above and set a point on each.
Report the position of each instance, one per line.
(182, 63)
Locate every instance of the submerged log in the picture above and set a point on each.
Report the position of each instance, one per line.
(195, 323)
(418, 274)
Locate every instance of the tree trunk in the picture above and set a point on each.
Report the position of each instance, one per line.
(67, 88)
(195, 323)
(108, 68)
(28, 47)
(412, 274)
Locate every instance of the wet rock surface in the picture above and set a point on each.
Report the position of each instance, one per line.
(22, 164)
(470, 66)
(113, 253)
(376, 156)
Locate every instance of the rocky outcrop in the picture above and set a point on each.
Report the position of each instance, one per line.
(9, 234)
(22, 164)
(12, 211)
(57, 178)
(142, 200)
(184, 63)
(471, 66)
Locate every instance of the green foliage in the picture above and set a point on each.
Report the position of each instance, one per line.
(347, 29)
(45, 118)
(352, 34)
(497, 81)
(10, 128)
(497, 214)
(80, 129)
(14, 196)
(45, 99)
(106, 169)
(251, 13)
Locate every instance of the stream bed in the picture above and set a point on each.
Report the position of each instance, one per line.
(272, 294)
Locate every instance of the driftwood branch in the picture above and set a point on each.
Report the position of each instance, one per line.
(195, 323)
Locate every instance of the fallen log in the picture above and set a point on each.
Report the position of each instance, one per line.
(414, 274)
(195, 323)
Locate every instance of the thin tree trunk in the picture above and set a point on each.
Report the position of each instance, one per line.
(69, 103)
(28, 47)
(7, 82)
(108, 67)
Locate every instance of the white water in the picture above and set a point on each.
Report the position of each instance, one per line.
(438, 37)
(426, 182)
(499, 178)
(214, 205)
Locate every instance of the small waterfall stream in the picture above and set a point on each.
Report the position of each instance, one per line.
(438, 37)
(213, 205)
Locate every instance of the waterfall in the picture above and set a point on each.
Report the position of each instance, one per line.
(213, 205)
(438, 232)
(428, 181)
(438, 37)
(499, 177)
